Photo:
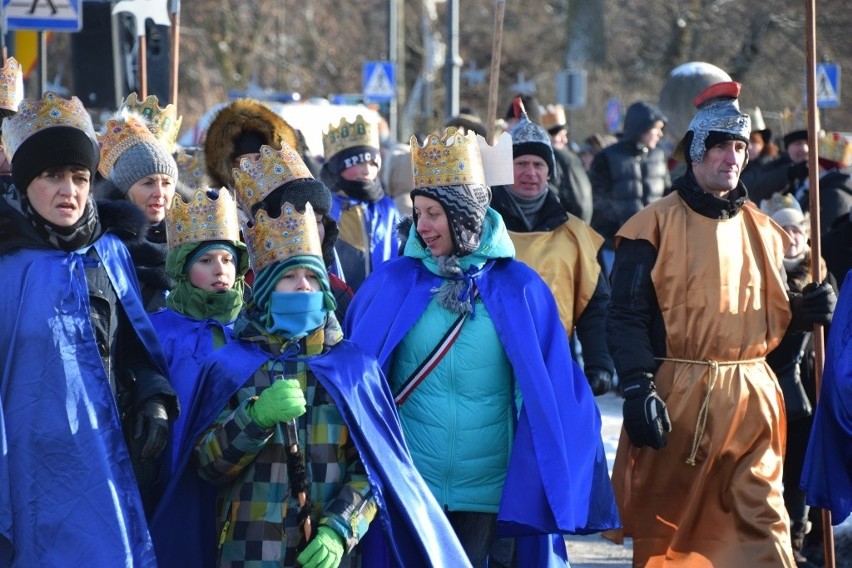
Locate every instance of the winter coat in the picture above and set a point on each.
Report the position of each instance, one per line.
(573, 186)
(627, 175)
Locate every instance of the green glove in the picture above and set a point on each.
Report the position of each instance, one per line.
(280, 402)
(324, 551)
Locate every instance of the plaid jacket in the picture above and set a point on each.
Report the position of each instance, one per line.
(258, 523)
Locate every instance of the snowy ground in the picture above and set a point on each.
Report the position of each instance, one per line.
(595, 552)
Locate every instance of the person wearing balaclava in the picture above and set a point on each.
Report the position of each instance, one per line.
(139, 169)
(698, 301)
(86, 401)
(630, 174)
(290, 421)
(471, 343)
(559, 246)
(366, 216)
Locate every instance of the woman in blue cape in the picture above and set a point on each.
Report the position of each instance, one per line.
(80, 357)
(500, 421)
(827, 472)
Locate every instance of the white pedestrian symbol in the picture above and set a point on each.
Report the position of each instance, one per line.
(825, 90)
(379, 84)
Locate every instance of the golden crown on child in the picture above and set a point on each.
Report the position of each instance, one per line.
(209, 215)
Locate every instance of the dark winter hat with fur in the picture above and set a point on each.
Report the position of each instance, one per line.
(242, 127)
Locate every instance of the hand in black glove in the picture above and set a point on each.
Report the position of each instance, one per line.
(599, 379)
(646, 418)
(817, 304)
(797, 172)
(152, 421)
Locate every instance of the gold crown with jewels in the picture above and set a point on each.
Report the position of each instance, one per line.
(192, 169)
(451, 159)
(202, 218)
(255, 179)
(349, 134)
(271, 240)
(11, 84)
(163, 122)
(120, 135)
(35, 115)
(836, 147)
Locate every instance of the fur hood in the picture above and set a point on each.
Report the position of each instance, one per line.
(241, 116)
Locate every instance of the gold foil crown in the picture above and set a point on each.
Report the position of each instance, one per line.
(203, 218)
(36, 115)
(118, 137)
(11, 84)
(349, 135)
(451, 159)
(272, 240)
(164, 123)
(554, 115)
(836, 147)
(255, 179)
(192, 169)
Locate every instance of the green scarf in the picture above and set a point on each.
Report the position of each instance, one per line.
(200, 304)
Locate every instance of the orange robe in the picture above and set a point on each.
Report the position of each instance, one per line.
(722, 297)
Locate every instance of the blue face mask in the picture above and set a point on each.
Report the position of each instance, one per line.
(292, 315)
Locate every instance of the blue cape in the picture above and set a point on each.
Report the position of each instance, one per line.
(186, 342)
(827, 471)
(68, 496)
(183, 526)
(557, 480)
(381, 218)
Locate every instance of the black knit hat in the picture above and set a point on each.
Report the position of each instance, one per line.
(794, 136)
(465, 207)
(51, 148)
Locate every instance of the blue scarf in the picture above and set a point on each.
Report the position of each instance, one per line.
(292, 315)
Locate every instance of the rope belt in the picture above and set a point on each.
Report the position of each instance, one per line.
(701, 420)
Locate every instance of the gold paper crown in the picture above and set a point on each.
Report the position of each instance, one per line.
(292, 234)
(554, 115)
(36, 115)
(118, 137)
(836, 147)
(202, 219)
(192, 170)
(348, 135)
(164, 123)
(255, 179)
(451, 159)
(11, 84)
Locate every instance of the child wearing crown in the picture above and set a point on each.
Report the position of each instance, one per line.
(366, 216)
(472, 346)
(291, 420)
(81, 360)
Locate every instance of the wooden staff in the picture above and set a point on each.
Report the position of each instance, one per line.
(494, 80)
(816, 252)
(175, 16)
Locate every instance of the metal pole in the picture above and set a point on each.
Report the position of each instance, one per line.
(175, 14)
(42, 62)
(453, 60)
(393, 57)
(816, 252)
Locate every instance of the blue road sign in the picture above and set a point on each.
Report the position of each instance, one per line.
(379, 81)
(43, 15)
(828, 85)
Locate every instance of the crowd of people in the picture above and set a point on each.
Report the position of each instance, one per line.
(244, 354)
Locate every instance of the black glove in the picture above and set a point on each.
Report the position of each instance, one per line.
(152, 421)
(599, 379)
(817, 304)
(797, 172)
(645, 416)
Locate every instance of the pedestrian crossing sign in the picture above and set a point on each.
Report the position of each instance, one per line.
(43, 15)
(379, 81)
(828, 85)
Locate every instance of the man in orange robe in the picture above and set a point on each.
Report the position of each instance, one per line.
(698, 300)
